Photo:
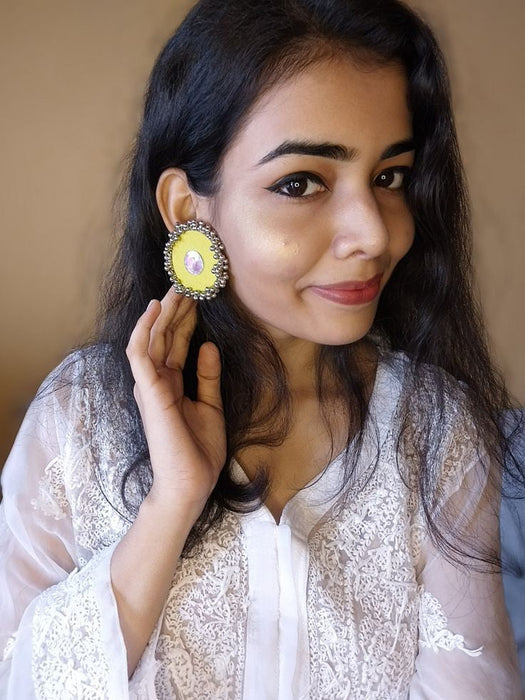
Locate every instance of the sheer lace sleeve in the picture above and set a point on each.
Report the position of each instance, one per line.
(466, 647)
(59, 631)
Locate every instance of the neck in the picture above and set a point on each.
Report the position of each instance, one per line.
(299, 358)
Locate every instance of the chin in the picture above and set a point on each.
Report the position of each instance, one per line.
(340, 337)
(339, 342)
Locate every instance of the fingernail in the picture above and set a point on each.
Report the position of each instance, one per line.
(149, 305)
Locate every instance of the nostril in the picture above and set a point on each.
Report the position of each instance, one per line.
(368, 241)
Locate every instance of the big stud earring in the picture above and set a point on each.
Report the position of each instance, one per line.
(195, 261)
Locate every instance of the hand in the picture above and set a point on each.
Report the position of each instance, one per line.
(186, 439)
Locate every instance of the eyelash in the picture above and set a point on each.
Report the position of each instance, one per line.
(301, 177)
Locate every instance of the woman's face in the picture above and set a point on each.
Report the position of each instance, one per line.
(312, 208)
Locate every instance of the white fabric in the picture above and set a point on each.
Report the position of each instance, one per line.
(341, 599)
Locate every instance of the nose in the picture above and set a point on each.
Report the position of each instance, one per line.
(360, 229)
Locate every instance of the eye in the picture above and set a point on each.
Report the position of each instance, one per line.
(393, 178)
(298, 185)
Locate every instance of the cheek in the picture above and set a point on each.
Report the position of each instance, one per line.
(260, 240)
(264, 255)
(404, 239)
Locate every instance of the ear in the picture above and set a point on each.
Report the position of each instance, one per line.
(175, 198)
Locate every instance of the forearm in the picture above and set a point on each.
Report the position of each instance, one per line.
(142, 569)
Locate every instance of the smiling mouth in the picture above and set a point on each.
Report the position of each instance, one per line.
(350, 293)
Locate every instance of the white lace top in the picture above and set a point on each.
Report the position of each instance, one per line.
(344, 598)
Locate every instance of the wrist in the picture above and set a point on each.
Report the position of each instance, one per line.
(171, 509)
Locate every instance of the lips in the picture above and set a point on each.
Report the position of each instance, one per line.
(350, 293)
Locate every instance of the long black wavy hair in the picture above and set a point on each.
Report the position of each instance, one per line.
(222, 58)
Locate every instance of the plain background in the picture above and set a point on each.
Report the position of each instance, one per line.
(72, 77)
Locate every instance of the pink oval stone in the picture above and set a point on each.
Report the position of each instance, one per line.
(193, 262)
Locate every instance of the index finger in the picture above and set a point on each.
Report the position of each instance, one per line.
(158, 345)
(173, 306)
(178, 335)
(172, 331)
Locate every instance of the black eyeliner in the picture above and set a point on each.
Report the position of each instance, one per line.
(287, 179)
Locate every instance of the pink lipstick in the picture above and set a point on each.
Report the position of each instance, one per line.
(350, 293)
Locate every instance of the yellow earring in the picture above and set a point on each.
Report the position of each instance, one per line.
(195, 261)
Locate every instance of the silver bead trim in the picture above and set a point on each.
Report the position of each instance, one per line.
(220, 269)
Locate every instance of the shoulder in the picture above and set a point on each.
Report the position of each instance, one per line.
(64, 472)
(80, 407)
(89, 379)
(427, 394)
(86, 368)
(435, 416)
(441, 436)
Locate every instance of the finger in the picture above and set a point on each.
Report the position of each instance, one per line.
(137, 396)
(179, 335)
(173, 308)
(172, 304)
(137, 349)
(209, 376)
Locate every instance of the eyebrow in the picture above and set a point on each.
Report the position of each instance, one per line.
(331, 150)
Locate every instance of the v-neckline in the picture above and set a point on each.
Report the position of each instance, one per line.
(314, 499)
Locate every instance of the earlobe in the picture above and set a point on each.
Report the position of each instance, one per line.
(175, 198)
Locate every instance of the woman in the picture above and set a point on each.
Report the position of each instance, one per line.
(281, 479)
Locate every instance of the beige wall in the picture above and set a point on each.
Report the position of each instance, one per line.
(72, 75)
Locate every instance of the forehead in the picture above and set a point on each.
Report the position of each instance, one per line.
(330, 101)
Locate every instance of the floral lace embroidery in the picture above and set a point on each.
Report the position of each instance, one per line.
(52, 499)
(70, 490)
(202, 640)
(433, 630)
(363, 623)
(71, 484)
(68, 658)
